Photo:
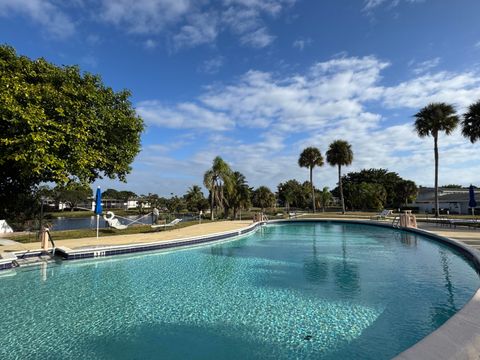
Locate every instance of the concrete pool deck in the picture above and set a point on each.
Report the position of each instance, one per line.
(172, 234)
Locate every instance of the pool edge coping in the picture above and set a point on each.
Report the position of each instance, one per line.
(112, 250)
(459, 336)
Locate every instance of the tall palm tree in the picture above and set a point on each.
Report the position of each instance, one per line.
(215, 180)
(239, 193)
(340, 153)
(471, 123)
(430, 120)
(309, 158)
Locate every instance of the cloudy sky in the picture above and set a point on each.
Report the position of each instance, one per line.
(256, 81)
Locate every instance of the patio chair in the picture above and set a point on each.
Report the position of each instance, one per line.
(170, 224)
(382, 215)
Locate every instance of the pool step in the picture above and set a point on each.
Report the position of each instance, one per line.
(34, 260)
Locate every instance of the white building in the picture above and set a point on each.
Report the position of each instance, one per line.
(453, 200)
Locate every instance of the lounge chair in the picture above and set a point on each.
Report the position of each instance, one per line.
(382, 215)
(113, 222)
(170, 224)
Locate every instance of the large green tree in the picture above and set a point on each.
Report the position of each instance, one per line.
(365, 196)
(263, 198)
(292, 193)
(471, 123)
(430, 121)
(58, 124)
(340, 154)
(398, 190)
(216, 180)
(310, 158)
(72, 194)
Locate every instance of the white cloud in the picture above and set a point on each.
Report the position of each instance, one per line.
(200, 29)
(339, 98)
(301, 43)
(212, 66)
(260, 38)
(182, 116)
(424, 66)
(372, 4)
(460, 89)
(43, 12)
(144, 16)
(195, 22)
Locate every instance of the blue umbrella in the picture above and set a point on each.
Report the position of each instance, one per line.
(98, 206)
(98, 202)
(471, 202)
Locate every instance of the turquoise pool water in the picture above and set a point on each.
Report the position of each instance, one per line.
(322, 291)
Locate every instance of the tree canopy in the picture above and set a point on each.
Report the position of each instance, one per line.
(396, 190)
(59, 124)
(292, 193)
(471, 123)
(263, 198)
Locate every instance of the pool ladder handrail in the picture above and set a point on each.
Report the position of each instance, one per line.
(396, 221)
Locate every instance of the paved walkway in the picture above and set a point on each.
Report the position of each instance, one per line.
(185, 232)
(466, 235)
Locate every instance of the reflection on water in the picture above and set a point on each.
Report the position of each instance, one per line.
(407, 239)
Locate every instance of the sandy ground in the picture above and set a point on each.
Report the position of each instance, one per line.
(189, 231)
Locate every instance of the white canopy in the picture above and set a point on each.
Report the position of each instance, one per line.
(4, 227)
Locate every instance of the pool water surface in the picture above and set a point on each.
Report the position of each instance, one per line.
(304, 290)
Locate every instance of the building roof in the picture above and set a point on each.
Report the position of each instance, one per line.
(427, 195)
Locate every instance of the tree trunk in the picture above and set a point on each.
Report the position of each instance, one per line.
(435, 149)
(313, 190)
(211, 205)
(341, 188)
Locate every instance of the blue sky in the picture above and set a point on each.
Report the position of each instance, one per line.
(256, 81)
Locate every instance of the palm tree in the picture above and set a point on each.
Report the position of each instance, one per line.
(325, 197)
(309, 158)
(430, 120)
(215, 180)
(471, 123)
(340, 153)
(194, 198)
(238, 195)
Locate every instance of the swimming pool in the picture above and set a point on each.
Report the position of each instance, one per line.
(301, 290)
